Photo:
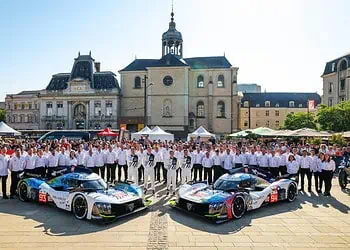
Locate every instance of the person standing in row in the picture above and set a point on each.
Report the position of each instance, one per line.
(158, 158)
(16, 168)
(29, 162)
(305, 165)
(166, 156)
(80, 155)
(149, 164)
(239, 159)
(207, 164)
(62, 158)
(228, 161)
(292, 167)
(172, 165)
(197, 166)
(315, 168)
(122, 163)
(263, 161)
(4, 165)
(52, 163)
(133, 166)
(100, 162)
(41, 163)
(110, 159)
(253, 158)
(90, 161)
(217, 164)
(328, 168)
(274, 161)
(187, 164)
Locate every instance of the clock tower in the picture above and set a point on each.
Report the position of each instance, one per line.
(172, 40)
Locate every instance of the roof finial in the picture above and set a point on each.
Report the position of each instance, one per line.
(172, 11)
(90, 53)
(224, 53)
(78, 53)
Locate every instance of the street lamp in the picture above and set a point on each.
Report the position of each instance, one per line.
(145, 99)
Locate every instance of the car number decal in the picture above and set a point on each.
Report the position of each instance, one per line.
(42, 197)
(274, 196)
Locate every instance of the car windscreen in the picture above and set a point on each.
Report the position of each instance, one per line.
(94, 184)
(222, 184)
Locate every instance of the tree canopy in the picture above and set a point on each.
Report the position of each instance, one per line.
(299, 120)
(335, 118)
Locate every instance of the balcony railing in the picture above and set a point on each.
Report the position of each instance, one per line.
(104, 118)
(54, 118)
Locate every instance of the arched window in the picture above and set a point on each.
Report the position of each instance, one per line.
(267, 103)
(200, 109)
(277, 105)
(200, 81)
(291, 104)
(343, 65)
(300, 105)
(246, 104)
(221, 81)
(137, 84)
(220, 109)
(167, 108)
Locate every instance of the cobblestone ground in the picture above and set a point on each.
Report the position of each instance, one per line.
(311, 222)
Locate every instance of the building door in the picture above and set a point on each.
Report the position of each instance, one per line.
(79, 116)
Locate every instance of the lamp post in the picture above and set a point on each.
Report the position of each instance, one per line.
(145, 99)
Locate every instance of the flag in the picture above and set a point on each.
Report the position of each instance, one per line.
(311, 104)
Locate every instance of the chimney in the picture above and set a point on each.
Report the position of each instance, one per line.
(98, 66)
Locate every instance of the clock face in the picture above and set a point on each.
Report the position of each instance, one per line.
(167, 80)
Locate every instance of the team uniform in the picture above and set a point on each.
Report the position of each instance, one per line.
(133, 166)
(172, 165)
(149, 164)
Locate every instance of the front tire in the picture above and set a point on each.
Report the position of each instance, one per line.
(342, 178)
(79, 207)
(292, 192)
(23, 191)
(238, 207)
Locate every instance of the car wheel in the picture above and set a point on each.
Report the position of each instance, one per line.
(23, 191)
(80, 207)
(238, 206)
(292, 192)
(342, 178)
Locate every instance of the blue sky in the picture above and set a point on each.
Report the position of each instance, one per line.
(280, 44)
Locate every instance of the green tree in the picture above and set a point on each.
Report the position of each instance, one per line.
(336, 118)
(2, 115)
(299, 120)
(338, 139)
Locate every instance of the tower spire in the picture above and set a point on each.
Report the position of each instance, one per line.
(172, 11)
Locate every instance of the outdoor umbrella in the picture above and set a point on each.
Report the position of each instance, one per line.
(107, 132)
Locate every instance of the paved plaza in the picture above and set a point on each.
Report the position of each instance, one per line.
(311, 222)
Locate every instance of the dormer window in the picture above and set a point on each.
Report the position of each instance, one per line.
(291, 104)
(333, 67)
(221, 81)
(257, 105)
(277, 105)
(300, 105)
(267, 103)
(200, 81)
(246, 104)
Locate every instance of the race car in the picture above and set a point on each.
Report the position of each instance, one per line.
(232, 195)
(85, 194)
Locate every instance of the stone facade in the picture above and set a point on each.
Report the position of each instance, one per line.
(336, 81)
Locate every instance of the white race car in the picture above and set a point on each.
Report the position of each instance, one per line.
(85, 194)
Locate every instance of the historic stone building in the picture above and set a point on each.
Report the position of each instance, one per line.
(271, 109)
(22, 110)
(181, 93)
(336, 83)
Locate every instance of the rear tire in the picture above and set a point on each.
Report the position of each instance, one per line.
(23, 191)
(238, 207)
(292, 192)
(79, 207)
(342, 178)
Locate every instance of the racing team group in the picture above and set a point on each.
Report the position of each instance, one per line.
(174, 162)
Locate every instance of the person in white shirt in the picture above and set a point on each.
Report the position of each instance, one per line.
(187, 164)
(16, 168)
(228, 161)
(292, 167)
(328, 168)
(141, 172)
(41, 163)
(62, 158)
(274, 161)
(90, 161)
(172, 164)
(263, 160)
(305, 169)
(52, 163)
(73, 161)
(149, 164)
(239, 159)
(110, 159)
(217, 165)
(179, 154)
(252, 158)
(207, 164)
(316, 169)
(283, 161)
(29, 162)
(158, 158)
(122, 158)
(4, 165)
(133, 165)
(197, 164)
(100, 162)
(80, 155)
(166, 156)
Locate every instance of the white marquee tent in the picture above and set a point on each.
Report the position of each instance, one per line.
(201, 132)
(145, 131)
(7, 130)
(159, 134)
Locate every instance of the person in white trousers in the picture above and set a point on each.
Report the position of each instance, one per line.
(172, 165)
(133, 165)
(187, 164)
(149, 164)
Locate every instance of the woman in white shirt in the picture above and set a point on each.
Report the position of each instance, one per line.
(316, 164)
(328, 168)
(73, 161)
(292, 167)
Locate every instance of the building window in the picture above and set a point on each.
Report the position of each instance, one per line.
(15, 106)
(267, 113)
(277, 113)
(330, 102)
(257, 105)
(22, 106)
(221, 81)
(200, 81)
(343, 65)
(342, 98)
(342, 85)
(137, 84)
(246, 104)
(330, 87)
(333, 67)
(109, 108)
(291, 104)
(30, 119)
(21, 118)
(267, 123)
(245, 123)
(200, 109)
(300, 105)
(97, 108)
(30, 106)
(167, 106)
(59, 109)
(49, 110)
(220, 109)
(277, 124)
(267, 103)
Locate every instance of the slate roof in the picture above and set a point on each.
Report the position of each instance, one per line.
(29, 92)
(105, 80)
(212, 62)
(170, 60)
(59, 82)
(328, 67)
(280, 98)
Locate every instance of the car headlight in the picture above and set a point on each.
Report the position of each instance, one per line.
(102, 208)
(217, 207)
